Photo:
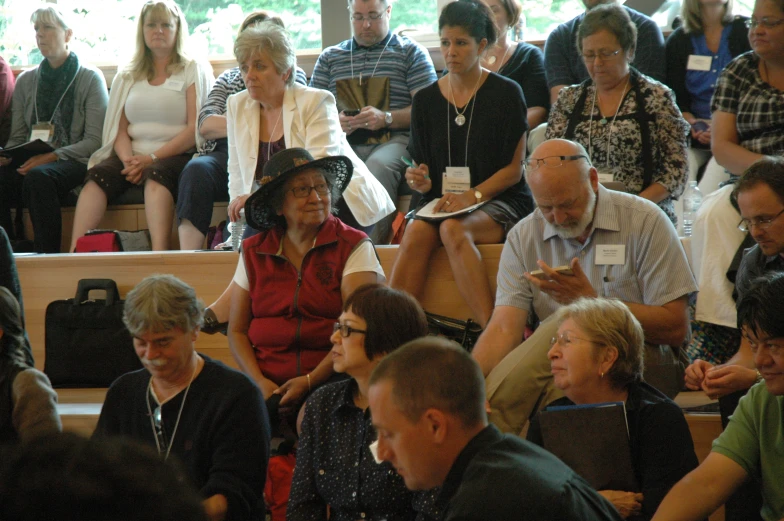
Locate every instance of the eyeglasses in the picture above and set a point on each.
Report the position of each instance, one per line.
(567, 338)
(602, 55)
(746, 225)
(532, 163)
(775, 349)
(160, 433)
(372, 17)
(345, 330)
(766, 22)
(301, 192)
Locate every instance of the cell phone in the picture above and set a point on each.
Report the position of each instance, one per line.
(563, 270)
(700, 126)
(351, 112)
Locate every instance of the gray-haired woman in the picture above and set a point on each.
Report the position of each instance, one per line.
(63, 102)
(628, 122)
(597, 357)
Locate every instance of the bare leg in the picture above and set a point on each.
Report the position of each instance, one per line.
(410, 268)
(159, 209)
(90, 209)
(460, 237)
(190, 236)
(221, 306)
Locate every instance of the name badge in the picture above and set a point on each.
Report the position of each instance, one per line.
(610, 254)
(456, 180)
(606, 177)
(42, 131)
(699, 63)
(175, 85)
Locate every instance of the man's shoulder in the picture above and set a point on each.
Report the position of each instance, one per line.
(218, 372)
(640, 20)
(565, 30)
(628, 205)
(129, 382)
(337, 49)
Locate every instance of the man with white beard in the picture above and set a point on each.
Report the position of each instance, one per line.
(613, 245)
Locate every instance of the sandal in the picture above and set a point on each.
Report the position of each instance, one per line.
(211, 324)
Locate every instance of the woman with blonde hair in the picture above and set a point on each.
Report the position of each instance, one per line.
(597, 357)
(149, 132)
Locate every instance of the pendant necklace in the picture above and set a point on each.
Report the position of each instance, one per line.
(157, 417)
(460, 118)
(603, 121)
(492, 59)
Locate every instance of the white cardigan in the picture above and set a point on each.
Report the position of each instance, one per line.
(310, 121)
(121, 86)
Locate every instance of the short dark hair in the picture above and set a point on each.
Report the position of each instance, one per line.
(65, 476)
(434, 373)
(612, 18)
(471, 15)
(393, 317)
(12, 344)
(761, 307)
(768, 170)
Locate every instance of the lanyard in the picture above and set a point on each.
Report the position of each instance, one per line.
(35, 95)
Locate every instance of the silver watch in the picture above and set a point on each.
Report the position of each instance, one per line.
(154, 158)
(388, 118)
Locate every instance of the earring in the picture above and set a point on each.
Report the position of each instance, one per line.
(602, 374)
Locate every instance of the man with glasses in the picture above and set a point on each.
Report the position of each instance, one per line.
(610, 244)
(760, 197)
(565, 66)
(750, 446)
(374, 77)
(189, 407)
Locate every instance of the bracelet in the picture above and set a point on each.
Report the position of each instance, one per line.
(308, 375)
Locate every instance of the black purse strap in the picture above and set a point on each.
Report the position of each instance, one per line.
(86, 285)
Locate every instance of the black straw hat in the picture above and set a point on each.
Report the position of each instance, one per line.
(258, 211)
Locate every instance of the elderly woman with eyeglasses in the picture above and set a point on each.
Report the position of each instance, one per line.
(748, 105)
(335, 465)
(597, 357)
(628, 123)
(294, 276)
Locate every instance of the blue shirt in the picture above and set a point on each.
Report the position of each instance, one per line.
(701, 84)
(406, 63)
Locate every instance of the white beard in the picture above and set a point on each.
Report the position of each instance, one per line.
(575, 230)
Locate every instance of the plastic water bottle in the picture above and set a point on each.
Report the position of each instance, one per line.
(692, 199)
(237, 228)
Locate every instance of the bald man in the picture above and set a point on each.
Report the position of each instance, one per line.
(611, 244)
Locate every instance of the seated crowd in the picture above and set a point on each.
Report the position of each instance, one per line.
(593, 285)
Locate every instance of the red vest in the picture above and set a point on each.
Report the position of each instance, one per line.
(293, 312)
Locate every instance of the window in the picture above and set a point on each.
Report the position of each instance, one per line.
(542, 16)
(104, 30)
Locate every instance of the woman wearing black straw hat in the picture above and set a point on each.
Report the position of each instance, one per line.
(293, 277)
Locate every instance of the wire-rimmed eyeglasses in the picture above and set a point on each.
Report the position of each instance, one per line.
(602, 55)
(532, 163)
(746, 225)
(766, 22)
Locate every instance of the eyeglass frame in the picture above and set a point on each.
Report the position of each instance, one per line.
(541, 161)
(369, 17)
(346, 330)
(566, 339)
(602, 55)
(764, 22)
(746, 225)
(309, 190)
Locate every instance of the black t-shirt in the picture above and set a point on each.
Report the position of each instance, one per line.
(526, 68)
(495, 122)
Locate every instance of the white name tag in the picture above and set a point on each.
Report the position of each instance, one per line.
(699, 63)
(606, 177)
(611, 254)
(175, 85)
(456, 180)
(44, 134)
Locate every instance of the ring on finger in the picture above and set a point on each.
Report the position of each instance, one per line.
(367, 124)
(448, 203)
(411, 182)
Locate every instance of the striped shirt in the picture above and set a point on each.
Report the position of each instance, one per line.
(406, 63)
(228, 83)
(654, 269)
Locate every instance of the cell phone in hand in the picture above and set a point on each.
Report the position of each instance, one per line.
(351, 112)
(700, 126)
(562, 270)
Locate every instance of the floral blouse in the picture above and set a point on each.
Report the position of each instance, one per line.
(616, 147)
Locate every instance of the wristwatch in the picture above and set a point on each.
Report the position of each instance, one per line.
(154, 158)
(388, 118)
(478, 196)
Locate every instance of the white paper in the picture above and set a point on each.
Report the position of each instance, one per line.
(426, 212)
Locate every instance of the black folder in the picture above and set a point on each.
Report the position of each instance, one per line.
(593, 440)
(23, 152)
